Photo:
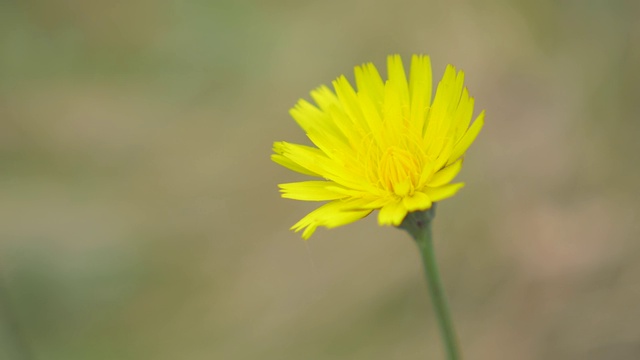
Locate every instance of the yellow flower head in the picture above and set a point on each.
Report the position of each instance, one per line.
(386, 145)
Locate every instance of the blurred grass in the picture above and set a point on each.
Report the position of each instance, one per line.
(140, 217)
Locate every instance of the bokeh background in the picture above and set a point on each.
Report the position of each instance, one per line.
(139, 214)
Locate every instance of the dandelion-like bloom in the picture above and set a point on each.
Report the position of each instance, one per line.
(384, 146)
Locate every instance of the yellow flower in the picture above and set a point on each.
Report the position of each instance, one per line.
(386, 146)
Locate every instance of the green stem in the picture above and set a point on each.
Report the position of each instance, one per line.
(418, 224)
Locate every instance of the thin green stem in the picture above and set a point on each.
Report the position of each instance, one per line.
(418, 224)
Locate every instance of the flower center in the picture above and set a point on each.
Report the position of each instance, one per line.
(398, 171)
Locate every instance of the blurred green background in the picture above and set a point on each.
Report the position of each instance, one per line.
(140, 218)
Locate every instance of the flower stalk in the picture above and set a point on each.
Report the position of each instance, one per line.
(418, 225)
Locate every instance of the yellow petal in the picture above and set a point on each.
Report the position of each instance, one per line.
(374, 203)
(372, 115)
(370, 83)
(442, 113)
(311, 191)
(307, 115)
(325, 98)
(349, 101)
(307, 157)
(319, 126)
(420, 79)
(463, 115)
(437, 112)
(443, 156)
(310, 118)
(456, 93)
(345, 217)
(467, 139)
(281, 160)
(392, 214)
(330, 146)
(310, 229)
(419, 201)
(446, 175)
(443, 192)
(330, 215)
(353, 132)
(394, 127)
(427, 173)
(314, 160)
(419, 91)
(403, 187)
(396, 74)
